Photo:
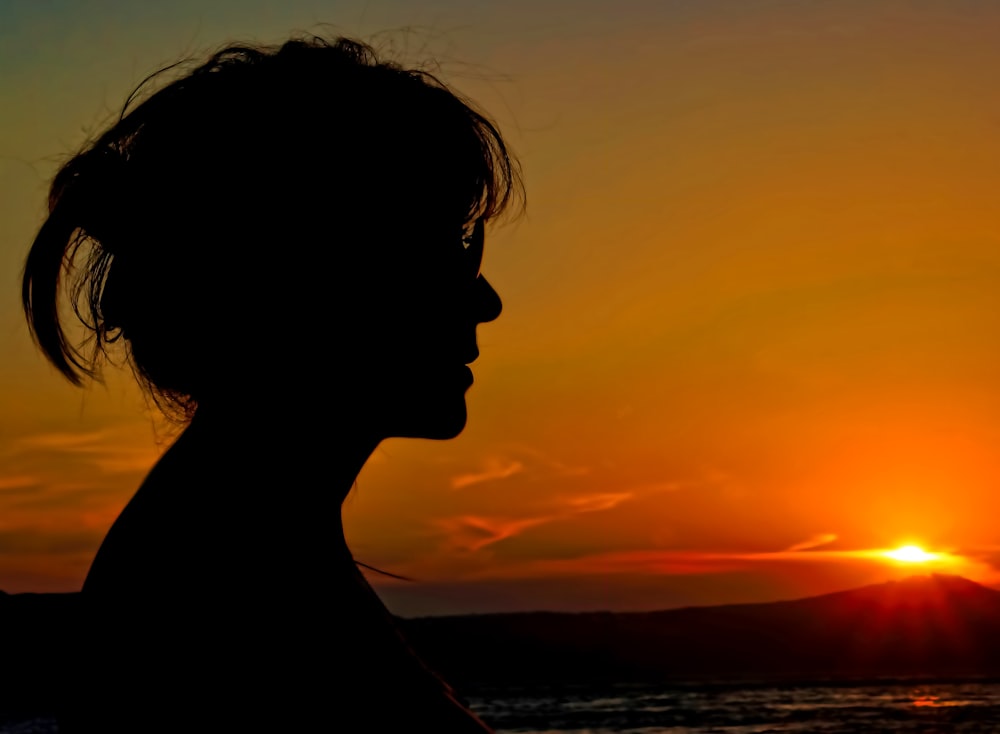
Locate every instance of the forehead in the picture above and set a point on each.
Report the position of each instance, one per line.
(439, 183)
(436, 212)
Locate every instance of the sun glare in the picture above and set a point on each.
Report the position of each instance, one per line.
(911, 554)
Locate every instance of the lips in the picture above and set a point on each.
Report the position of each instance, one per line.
(470, 357)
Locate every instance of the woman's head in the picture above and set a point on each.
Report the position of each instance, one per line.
(273, 206)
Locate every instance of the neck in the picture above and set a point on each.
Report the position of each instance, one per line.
(300, 474)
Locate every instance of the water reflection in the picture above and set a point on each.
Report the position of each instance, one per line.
(929, 700)
(895, 707)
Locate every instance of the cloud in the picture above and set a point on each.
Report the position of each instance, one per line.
(814, 542)
(22, 481)
(689, 562)
(71, 442)
(472, 533)
(48, 541)
(519, 459)
(495, 468)
(121, 451)
(597, 502)
(547, 464)
(614, 563)
(124, 460)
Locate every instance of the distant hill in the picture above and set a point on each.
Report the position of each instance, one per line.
(937, 625)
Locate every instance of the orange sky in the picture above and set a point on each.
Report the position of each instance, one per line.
(750, 326)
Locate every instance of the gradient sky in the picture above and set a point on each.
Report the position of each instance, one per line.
(751, 328)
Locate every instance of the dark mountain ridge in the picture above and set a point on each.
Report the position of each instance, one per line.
(927, 626)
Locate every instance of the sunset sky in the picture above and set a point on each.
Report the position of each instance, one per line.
(751, 327)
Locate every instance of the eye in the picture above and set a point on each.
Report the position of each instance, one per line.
(472, 241)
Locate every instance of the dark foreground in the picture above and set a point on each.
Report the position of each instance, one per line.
(899, 707)
(918, 655)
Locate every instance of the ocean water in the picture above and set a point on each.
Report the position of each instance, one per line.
(896, 707)
(39, 725)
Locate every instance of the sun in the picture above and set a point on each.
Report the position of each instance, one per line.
(910, 554)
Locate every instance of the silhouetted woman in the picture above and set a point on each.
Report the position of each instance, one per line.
(286, 242)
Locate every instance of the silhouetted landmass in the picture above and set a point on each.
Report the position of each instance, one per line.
(937, 626)
(34, 647)
(924, 626)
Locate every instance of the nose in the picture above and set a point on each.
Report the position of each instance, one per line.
(488, 303)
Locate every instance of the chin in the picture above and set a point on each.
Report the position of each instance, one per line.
(440, 429)
(438, 423)
(423, 407)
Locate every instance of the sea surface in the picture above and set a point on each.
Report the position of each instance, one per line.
(899, 707)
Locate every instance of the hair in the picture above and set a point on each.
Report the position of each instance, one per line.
(265, 167)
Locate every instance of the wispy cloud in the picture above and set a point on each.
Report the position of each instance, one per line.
(64, 441)
(119, 451)
(623, 562)
(814, 542)
(124, 459)
(548, 464)
(685, 562)
(494, 468)
(22, 481)
(472, 533)
(598, 502)
(47, 541)
(514, 460)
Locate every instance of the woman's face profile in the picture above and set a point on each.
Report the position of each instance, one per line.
(426, 304)
(230, 271)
